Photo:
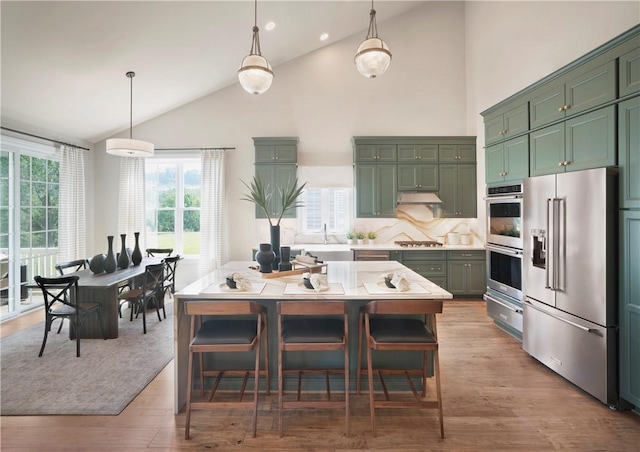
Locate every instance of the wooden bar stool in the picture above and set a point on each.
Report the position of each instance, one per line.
(383, 332)
(222, 334)
(304, 326)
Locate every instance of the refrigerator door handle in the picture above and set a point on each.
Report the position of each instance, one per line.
(550, 250)
(555, 275)
(583, 328)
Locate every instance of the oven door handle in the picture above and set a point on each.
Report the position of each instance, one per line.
(495, 300)
(498, 198)
(504, 250)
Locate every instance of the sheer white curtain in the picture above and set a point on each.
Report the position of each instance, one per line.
(213, 221)
(131, 204)
(71, 205)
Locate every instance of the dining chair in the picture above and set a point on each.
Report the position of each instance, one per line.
(60, 301)
(312, 326)
(157, 252)
(391, 325)
(169, 282)
(148, 289)
(76, 265)
(224, 326)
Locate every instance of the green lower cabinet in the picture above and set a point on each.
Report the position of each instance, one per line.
(629, 309)
(466, 273)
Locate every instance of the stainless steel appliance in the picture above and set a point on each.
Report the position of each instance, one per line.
(371, 255)
(569, 277)
(504, 215)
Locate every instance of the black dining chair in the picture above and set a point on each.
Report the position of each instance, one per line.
(169, 283)
(159, 252)
(60, 301)
(75, 265)
(147, 291)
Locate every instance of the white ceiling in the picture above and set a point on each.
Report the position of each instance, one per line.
(64, 63)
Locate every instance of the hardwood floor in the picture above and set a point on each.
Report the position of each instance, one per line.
(495, 397)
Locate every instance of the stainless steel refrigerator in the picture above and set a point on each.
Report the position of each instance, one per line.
(569, 277)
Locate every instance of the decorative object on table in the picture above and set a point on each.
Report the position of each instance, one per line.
(387, 281)
(307, 283)
(123, 257)
(110, 261)
(96, 264)
(372, 237)
(231, 283)
(360, 237)
(397, 280)
(265, 257)
(285, 258)
(238, 281)
(318, 282)
(350, 237)
(373, 56)
(136, 256)
(261, 195)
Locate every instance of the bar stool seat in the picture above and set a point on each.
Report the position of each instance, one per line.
(381, 329)
(223, 332)
(304, 326)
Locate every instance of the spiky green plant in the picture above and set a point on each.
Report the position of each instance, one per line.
(261, 194)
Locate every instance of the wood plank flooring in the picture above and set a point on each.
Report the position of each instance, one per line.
(495, 397)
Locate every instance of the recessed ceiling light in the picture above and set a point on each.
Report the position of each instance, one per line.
(324, 36)
(270, 26)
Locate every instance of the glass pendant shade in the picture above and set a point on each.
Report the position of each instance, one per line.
(255, 74)
(127, 147)
(373, 57)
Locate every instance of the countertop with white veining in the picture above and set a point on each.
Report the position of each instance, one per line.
(311, 247)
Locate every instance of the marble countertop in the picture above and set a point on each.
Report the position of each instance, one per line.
(348, 280)
(382, 246)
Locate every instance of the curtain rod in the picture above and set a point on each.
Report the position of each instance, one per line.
(196, 149)
(44, 138)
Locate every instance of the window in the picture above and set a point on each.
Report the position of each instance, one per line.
(39, 184)
(172, 214)
(325, 206)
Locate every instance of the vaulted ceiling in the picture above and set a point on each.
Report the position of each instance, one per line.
(64, 63)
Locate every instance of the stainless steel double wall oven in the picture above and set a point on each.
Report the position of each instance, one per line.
(504, 256)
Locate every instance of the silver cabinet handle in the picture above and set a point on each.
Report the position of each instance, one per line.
(490, 298)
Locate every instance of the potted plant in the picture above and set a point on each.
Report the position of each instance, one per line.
(261, 195)
(360, 237)
(372, 237)
(350, 237)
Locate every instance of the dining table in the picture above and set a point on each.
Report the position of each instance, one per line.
(356, 282)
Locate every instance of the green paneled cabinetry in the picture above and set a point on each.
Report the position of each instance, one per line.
(629, 154)
(466, 272)
(430, 264)
(376, 191)
(457, 153)
(458, 190)
(507, 161)
(508, 122)
(421, 177)
(275, 165)
(629, 72)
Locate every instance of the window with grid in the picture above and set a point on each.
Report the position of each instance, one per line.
(325, 206)
(39, 183)
(172, 215)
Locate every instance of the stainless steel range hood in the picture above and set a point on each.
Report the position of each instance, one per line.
(418, 197)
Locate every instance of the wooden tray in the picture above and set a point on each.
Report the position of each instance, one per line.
(298, 269)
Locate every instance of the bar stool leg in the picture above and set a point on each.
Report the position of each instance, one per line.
(265, 338)
(280, 381)
(189, 382)
(370, 376)
(436, 361)
(256, 382)
(359, 361)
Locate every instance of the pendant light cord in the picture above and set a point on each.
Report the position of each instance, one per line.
(131, 75)
(373, 26)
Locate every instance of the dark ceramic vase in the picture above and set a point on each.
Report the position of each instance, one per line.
(136, 256)
(275, 245)
(96, 264)
(123, 258)
(110, 260)
(285, 258)
(265, 257)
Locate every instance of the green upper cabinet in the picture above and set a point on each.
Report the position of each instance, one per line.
(376, 152)
(629, 152)
(508, 161)
(376, 191)
(422, 177)
(581, 89)
(629, 72)
(458, 190)
(457, 153)
(276, 177)
(506, 123)
(276, 150)
(583, 142)
(418, 153)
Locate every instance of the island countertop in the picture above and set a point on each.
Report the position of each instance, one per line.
(356, 282)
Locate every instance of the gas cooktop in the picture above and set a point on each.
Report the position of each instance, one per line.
(418, 244)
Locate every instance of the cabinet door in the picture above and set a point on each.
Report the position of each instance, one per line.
(276, 153)
(495, 159)
(629, 152)
(417, 153)
(466, 192)
(591, 88)
(284, 177)
(547, 106)
(546, 150)
(591, 140)
(375, 153)
(493, 129)
(448, 189)
(407, 177)
(456, 277)
(385, 191)
(476, 278)
(365, 191)
(265, 153)
(630, 307)
(516, 120)
(376, 191)
(516, 158)
(418, 177)
(458, 153)
(629, 70)
(267, 176)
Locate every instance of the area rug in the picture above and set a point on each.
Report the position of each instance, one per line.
(103, 381)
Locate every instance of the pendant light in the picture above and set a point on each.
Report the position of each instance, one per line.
(255, 72)
(128, 147)
(373, 56)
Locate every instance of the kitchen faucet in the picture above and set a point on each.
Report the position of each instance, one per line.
(326, 239)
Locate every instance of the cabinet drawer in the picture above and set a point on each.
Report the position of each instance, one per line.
(504, 312)
(428, 268)
(467, 255)
(424, 255)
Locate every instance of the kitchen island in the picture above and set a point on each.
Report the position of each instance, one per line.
(355, 282)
